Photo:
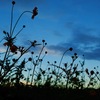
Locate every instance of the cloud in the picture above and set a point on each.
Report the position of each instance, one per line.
(83, 42)
(85, 38)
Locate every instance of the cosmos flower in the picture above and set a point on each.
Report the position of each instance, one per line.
(35, 12)
(71, 49)
(13, 48)
(7, 44)
(13, 2)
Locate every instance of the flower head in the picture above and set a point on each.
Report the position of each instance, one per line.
(13, 2)
(13, 48)
(92, 72)
(70, 49)
(87, 71)
(35, 12)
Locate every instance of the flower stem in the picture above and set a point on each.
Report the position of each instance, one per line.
(11, 20)
(18, 20)
(62, 58)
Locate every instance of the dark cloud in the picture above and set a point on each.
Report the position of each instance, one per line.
(94, 54)
(86, 38)
(83, 42)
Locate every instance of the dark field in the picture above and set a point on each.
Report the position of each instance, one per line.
(48, 93)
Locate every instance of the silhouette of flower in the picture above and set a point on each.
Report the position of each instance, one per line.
(87, 71)
(75, 54)
(46, 52)
(45, 43)
(48, 62)
(55, 62)
(24, 26)
(32, 52)
(13, 48)
(34, 43)
(30, 59)
(97, 72)
(4, 32)
(65, 64)
(92, 72)
(7, 44)
(43, 40)
(13, 59)
(13, 2)
(49, 68)
(70, 49)
(72, 57)
(35, 12)
(43, 72)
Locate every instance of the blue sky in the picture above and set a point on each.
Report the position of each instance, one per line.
(62, 23)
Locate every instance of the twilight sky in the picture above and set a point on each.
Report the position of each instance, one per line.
(62, 23)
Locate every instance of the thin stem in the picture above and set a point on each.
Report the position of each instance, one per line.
(11, 19)
(33, 74)
(18, 32)
(40, 52)
(5, 54)
(8, 34)
(18, 20)
(1, 40)
(28, 77)
(36, 64)
(42, 60)
(62, 58)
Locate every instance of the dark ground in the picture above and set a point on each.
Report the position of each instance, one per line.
(45, 93)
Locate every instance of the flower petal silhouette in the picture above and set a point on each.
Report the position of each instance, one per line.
(35, 12)
(13, 48)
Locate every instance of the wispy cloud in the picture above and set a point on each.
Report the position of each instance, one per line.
(83, 42)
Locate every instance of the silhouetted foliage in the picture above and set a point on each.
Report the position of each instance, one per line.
(64, 79)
